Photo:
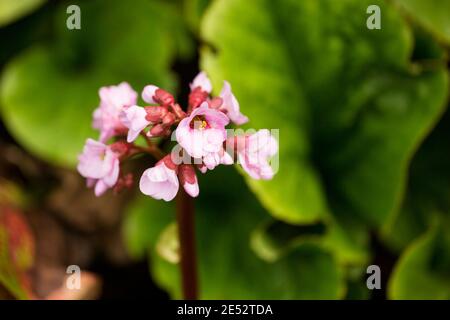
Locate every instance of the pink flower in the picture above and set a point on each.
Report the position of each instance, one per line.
(188, 179)
(113, 100)
(254, 153)
(231, 106)
(100, 165)
(161, 181)
(202, 133)
(202, 81)
(134, 118)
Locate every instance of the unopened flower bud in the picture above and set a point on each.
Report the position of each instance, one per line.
(124, 182)
(188, 179)
(157, 131)
(121, 148)
(196, 97)
(168, 119)
(178, 111)
(155, 114)
(163, 97)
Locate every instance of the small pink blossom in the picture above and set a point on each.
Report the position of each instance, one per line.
(231, 105)
(202, 133)
(113, 100)
(202, 81)
(100, 165)
(134, 118)
(254, 153)
(161, 181)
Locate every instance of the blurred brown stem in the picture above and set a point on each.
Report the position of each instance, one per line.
(186, 236)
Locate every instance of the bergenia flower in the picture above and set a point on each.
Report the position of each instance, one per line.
(113, 100)
(202, 133)
(199, 130)
(201, 81)
(230, 105)
(134, 118)
(254, 153)
(100, 165)
(161, 181)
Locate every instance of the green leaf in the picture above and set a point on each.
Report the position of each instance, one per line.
(228, 267)
(349, 108)
(193, 12)
(145, 219)
(431, 14)
(423, 270)
(48, 93)
(428, 189)
(11, 10)
(273, 239)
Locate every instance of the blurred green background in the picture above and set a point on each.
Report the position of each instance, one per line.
(364, 174)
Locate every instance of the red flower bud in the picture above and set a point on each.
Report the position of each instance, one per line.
(187, 174)
(157, 130)
(188, 179)
(155, 114)
(168, 119)
(178, 111)
(120, 147)
(163, 97)
(124, 182)
(196, 97)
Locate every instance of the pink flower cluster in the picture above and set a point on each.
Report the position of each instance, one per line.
(200, 132)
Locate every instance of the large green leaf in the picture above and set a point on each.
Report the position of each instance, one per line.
(349, 108)
(228, 268)
(432, 14)
(10, 10)
(423, 271)
(49, 92)
(428, 189)
(273, 239)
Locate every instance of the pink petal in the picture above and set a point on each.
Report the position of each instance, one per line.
(192, 189)
(134, 118)
(231, 105)
(202, 81)
(100, 188)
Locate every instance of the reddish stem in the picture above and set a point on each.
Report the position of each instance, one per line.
(186, 235)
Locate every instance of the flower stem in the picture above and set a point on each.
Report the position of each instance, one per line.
(186, 235)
